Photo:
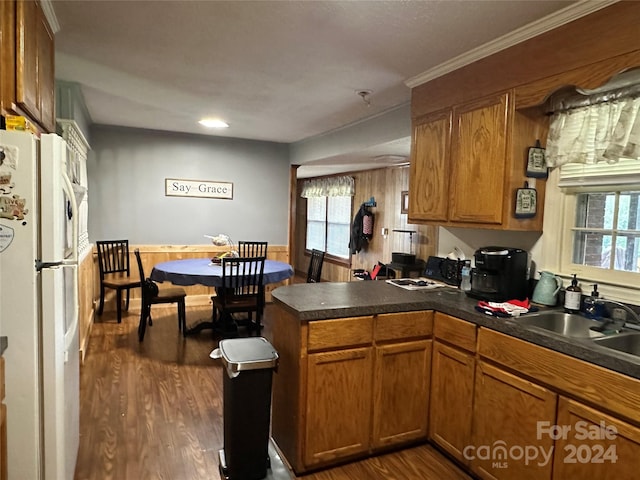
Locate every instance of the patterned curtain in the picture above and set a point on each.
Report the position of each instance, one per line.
(602, 132)
(328, 187)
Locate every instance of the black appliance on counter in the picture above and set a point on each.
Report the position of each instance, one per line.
(444, 270)
(500, 274)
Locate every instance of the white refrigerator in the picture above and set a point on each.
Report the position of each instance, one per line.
(39, 306)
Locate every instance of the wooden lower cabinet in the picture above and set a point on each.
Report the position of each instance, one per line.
(338, 414)
(451, 399)
(506, 413)
(591, 444)
(401, 392)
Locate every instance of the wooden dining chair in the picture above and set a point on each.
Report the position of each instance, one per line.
(152, 295)
(315, 266)
(113, 263)
(241, 291)
(252, 248)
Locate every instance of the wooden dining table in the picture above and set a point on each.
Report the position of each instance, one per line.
(202, 271)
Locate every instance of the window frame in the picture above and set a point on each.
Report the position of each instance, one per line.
(346, 261)
(559, 219)
(614, 277)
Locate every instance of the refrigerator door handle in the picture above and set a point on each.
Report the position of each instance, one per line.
(40, 264)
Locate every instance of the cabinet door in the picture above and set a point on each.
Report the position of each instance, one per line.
(401, 392)
(591, 444)
(35, 64)
(46, 82)
(478, 161)
(451, 399)
(506, 414)
(428, 175)
(27, 58)
(339, 394)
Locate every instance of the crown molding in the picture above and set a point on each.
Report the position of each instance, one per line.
(554, 20)
(47, 8)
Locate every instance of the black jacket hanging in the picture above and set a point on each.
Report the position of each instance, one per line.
(361, 229)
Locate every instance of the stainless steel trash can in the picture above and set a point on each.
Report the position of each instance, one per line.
(249, 364)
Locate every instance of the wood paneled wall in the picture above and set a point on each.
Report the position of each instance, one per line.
(386, 186)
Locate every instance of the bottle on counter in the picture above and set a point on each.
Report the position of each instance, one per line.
(572, 296)
(593, 305)
(465, 276)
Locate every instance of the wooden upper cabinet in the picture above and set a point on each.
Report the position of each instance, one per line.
(468, 162)
(27, 96)
(46, 73)
(28, 54)
(478, 158)
(429, 175)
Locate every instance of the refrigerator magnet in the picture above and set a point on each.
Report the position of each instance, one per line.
(536, 162)
(526, 202)
(6, 237)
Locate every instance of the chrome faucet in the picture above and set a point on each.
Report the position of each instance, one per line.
(634, 317)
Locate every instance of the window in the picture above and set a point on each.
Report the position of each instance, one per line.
(601, 227)
(329, 224)
(606, 231)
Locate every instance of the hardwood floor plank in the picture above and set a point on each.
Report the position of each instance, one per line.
(153, 410)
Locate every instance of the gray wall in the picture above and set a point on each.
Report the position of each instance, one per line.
(127, 170)
(390, 126)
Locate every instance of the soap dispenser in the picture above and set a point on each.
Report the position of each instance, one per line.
(593, 306)
(572, 296)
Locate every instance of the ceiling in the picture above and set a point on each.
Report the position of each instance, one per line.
(281, 71)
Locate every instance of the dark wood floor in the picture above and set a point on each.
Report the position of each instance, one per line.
(153, 410)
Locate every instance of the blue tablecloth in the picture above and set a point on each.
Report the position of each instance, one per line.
(200, 271)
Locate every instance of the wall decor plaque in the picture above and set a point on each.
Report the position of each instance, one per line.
(175, 187)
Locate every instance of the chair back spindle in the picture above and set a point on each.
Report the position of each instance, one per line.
(252, 248)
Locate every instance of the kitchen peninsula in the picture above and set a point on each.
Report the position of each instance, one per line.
(366, 367)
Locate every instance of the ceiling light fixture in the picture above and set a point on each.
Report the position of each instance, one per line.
(365, 96)
(213, 123)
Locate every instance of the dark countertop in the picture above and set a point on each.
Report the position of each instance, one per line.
(320, 301)
(4, 342)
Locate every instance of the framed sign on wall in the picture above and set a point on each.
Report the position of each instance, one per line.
(175, 187)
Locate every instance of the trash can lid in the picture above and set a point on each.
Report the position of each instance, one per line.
(254, 353)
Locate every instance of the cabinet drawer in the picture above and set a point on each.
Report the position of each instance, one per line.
(455, 331)
(393, 326)
(340, 332)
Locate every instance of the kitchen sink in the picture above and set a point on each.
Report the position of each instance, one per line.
(565, 324)
(628, 342)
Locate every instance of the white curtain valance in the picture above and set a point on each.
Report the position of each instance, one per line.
(602, 132)
(328, 187)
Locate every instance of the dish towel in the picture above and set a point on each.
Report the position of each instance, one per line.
(510, 308)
